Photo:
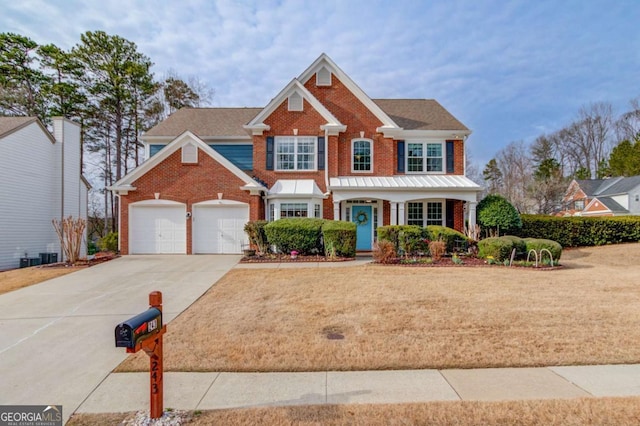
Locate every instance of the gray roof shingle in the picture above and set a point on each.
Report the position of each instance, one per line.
(205, 122)
(622, 186)
(410, 114)
(11, 124)
(419, 114)
(612, 205)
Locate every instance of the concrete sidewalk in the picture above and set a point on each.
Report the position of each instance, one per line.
(206, 391)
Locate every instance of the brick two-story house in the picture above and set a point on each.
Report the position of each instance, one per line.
(320, 148)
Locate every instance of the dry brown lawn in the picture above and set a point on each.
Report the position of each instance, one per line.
(583, 411)
(24, 277)
(395, 317)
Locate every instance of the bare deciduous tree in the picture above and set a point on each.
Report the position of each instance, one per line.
(516, 168)
(587, 141)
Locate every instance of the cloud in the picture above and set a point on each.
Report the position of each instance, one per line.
(506, 69)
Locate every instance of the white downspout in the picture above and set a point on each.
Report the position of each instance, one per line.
(62, 145)
(326, 160)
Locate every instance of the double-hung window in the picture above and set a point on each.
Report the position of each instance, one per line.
(296, 152)
(425, 157)
(362, 154)
(424, 214)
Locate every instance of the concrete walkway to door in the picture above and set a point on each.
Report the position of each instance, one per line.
(57, 337)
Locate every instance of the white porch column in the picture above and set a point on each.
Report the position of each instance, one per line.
(336, 210)
(401, 213)
(472, 214)
(394, 213)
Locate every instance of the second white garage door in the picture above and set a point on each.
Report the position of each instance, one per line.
(219, 228)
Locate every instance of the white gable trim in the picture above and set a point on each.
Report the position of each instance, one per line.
(126, 183)
(326, 62)
(257, 125)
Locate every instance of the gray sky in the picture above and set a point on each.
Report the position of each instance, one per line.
(509, 70)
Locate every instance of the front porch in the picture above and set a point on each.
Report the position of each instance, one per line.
(403, 200)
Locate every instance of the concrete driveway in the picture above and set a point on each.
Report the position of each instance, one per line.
(57, 337)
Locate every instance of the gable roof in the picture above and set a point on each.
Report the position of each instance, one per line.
(411, 114)
(9, 125)
(205, 122)
(611, 186)
(611, 204)
(126, 183)
(420, 114)
(592, 187)
(257, 123)
(622, 186)
(324, 61)
(417, 116)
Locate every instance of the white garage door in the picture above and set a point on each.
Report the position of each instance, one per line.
(158, 229)
(219, 228)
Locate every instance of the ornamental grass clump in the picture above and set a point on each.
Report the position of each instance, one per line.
(384, 252)
(437, 249)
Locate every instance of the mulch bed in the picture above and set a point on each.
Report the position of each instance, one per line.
(273, 258)
(445, 262)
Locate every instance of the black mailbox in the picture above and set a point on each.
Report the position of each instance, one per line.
(138, 328)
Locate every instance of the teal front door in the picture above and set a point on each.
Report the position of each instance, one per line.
(363, 219)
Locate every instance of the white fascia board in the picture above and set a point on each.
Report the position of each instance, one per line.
(324, 60)
(423, 134)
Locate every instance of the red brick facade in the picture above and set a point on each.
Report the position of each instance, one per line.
(189, 184)
(193, 183)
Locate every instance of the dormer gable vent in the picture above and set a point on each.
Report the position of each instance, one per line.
(295, 102)
(189, 154)
(323, 77)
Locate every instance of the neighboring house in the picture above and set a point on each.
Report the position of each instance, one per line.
(40, 180)
(603, 197)
(321, 148)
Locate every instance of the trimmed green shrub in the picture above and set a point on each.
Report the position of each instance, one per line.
(538, 244)
(497, 247)
(257, 236)
(448, 235)
(496, 214)
(390, 233)
(109, 242)
(516, 243)
(411, 240)
(339, 238)
(300, 234)
(582, 231)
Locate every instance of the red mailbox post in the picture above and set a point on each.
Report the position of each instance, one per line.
(145, 332)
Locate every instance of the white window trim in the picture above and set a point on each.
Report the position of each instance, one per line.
(278, 139)
(424, 157)
(310, 203)
(353, 142)
(425, 210)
